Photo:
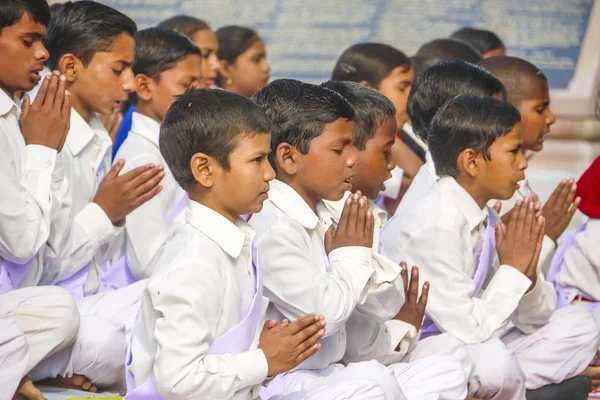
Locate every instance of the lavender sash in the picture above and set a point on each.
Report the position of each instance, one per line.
(483, 260)
(12, 274)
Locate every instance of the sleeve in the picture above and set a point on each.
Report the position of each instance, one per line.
(439, 254)
(189, 298)
(26, 204)
(536, 307)
(546, 255)
(297, 286)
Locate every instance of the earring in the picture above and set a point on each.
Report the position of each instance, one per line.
(229, 81)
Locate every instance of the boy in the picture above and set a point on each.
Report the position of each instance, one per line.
(306, 265)
(35, 322)
(199, 330)
(166, 64)
(527, 89)
(475, 143)
(450, 49)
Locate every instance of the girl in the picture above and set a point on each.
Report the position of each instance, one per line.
(244, 67)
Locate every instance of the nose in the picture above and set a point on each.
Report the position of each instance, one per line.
(214, 63)
(523, 163)
(269, 173)
(266, 66)
(351, 159)
(391, 164)
(550, 118)
(41, 53)
(128, 83)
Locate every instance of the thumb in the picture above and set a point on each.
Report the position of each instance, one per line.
(498, 206)
(329, 239)
(115, 170)
(500, 231)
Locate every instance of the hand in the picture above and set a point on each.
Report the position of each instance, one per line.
(112, 123)
(120, 195)
(355, 227)
(413, 309)
(537, 206)
(46, 122)
(519, 242)
(560, 208)
(287, 345)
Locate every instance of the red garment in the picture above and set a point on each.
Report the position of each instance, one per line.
(588, 188)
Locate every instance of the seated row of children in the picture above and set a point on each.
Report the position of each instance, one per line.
(140, 276)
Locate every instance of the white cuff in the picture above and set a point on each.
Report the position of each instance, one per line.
(510, 281)
(96, 223)
(39, 158)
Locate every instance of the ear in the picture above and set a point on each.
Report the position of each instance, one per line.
(226, 69)
(469, 162)
(367, 84)
(144, 87)
(287, 158)
(202, 167)
(69, 66)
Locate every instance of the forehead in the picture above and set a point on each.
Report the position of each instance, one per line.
(536, 90)
(257, 47)
(205, 38)
(386, 132)
(400, 74)
(188, 65)
(122, 49)
(253, 142)
(514, 137)
(25, 25)
(337, 131)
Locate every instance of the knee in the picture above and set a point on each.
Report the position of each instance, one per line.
(580, 324)
(67, 314)
(103, 344)
(498, 367)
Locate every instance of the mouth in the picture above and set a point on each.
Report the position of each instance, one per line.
(348, 183)
(264, 194)
(210, 81)
(35, 73)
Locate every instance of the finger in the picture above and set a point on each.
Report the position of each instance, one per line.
(52, 88)
(361, 215)
(271, 324)
(529, 220)
(404, 275)
(555, 194)
(139, 200)
(115, 170)
(521, 215)
(498, 206)
(311, 340)
(328, 239)
(343, 224)
(570, 196)
(280, 326)
(25, 106)
(308, 353)
(574, 208)
(413, 286)
(65, 112)
(353, 216)
(303, 322)
(149, 184)
(535, 198)
(499, 233)
(370, 225)
(41, 96)
(60, 94)
(310, 331)
(424, 297)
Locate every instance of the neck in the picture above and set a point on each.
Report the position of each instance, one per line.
(9, 93)
(209, 201)
(306, 196)
(469, 185)
(79, 106)
(144, 109)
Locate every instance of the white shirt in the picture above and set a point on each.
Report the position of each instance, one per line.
(35, 204)
(141, 148)
(93, 237)
(372, 334)
(440, 234)
(420, 185)
(408, 129)
(201, 286)
(297, 279)
(581, 265)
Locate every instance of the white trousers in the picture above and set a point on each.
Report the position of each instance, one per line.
(100, 349)
(35, 323)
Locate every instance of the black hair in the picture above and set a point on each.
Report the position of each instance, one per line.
(299, 112)
(370, 62)
(521, 78)
(209, 121)
(440, 83)
(481, 39)
(234, 40)
(421, 63)
(468, 122)
(11, 11)
(371, 109)
(56, 7)
(158, 50)
(184, 24)
(450, 49)
(84, 28)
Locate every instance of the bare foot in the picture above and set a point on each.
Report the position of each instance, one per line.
(593, 371)
(78, 382)
(28, 391)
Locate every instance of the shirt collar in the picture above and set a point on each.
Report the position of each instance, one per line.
(408, 129)
(463, 200)
(6, 103)
(81, 132)
(229, 236)
(336, 208)
(292, 204)
(146, 127)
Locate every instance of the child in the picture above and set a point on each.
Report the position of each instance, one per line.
(166, 65)
(527, 89)
(390, 72)
(199, 329)
(244, 67)
(450, 49)
(486, 42)
(475, 143)
(308, 266)
(35, 322)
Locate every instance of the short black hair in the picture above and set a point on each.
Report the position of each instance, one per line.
(56, 7)
(209, 121)
(234, 40)
(84, 28)
(481, 39)
(158, 50)
(370, 62)
(371, 109)
(450, 49)
(468, 122)
(11, 11)
(184, 24)
(440, 83)
(421, 63)
(521, 78)
(299, 112)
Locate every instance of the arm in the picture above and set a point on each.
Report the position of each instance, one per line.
(189, 298)
(536, 307)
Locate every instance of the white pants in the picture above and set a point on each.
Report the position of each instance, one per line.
(363, 380)
(34, 323)
(101, 347)
(559, 350)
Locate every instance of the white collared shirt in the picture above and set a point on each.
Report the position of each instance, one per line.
(371, 331)
(93, 238)
(581, 265)
(35, 202)
(141, 148)
(201, 286)
(440, 234)
(408, 129)
(420, 185)
(297, 279)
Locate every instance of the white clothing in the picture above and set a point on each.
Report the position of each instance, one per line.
(141, 148)
(420, 185)
(34, 324)
(408, 129)
(299, 278)
(581, 265)
(201, 286)
(35, 203)
(394, 184)
(34, 92)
